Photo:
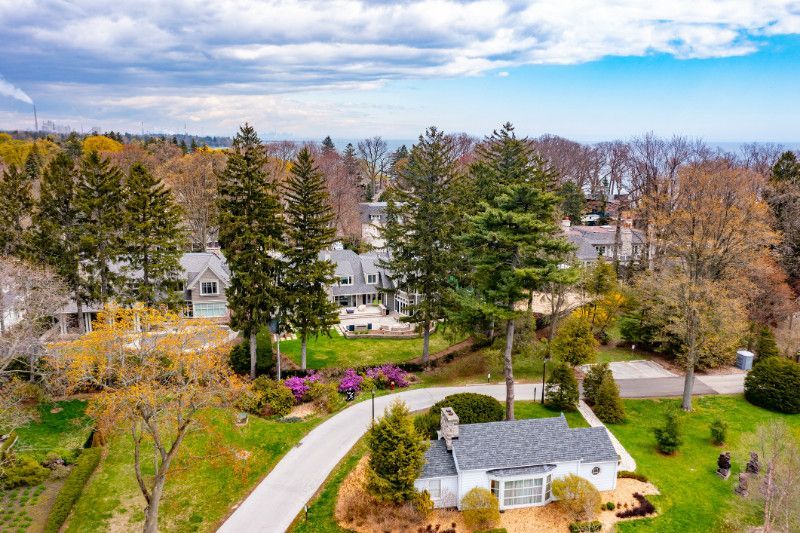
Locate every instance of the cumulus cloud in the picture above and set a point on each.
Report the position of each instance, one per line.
(280, 46)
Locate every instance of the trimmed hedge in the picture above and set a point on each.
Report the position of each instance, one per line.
(632, 475)
(470, 407)
(73, 486)
(580, 527)
(644, 508)
(774, 383)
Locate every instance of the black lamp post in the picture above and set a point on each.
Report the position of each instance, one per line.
(544, 372)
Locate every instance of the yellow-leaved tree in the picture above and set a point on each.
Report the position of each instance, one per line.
(151, 372)
(100, 143)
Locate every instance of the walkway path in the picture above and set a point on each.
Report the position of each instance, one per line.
(626, 461)
(274, 503)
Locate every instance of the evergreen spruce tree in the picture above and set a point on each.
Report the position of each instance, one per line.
(608, 406)
(16, 203)
(765, 344)
(154, 239)
(562, 391)
(309, 231)
(251, 232)
(54, 232)
(397, 455)
(591, 383)
(786, 169)
(424, 221)
(327, 145)
(193, 146)
(514, 240)
(574, 342)
(573, 201)
(99, 215)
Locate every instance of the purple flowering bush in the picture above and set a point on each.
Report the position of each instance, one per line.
(385, 375)
(350, 381)
(301, 385)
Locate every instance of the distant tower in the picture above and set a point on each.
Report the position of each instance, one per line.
(35, 119)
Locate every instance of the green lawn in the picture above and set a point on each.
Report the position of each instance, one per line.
(68, 428)
(337, 351)
(692, 497)
(608, 354)
(206, 479)
(537, 410)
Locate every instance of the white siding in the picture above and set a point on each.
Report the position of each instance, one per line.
(605, 480)
(469, 480)
(449, 491)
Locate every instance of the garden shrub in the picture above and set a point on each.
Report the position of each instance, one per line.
(240, 359)
(574, 342)
(774, 383)
(73, 486)
(644, 508)
(610, 506)
(562, 390)
(765, 345)
(24, 471)
(250, 399)
(277, 399)
(353, 381)
(384, 375)
(397, 455)
(669, 437)
(580, 527)
(577, 496)
(471, 408)
(301, 385)
(719, 431)
(591, 383)
(608, 407)
(324, 396)
(632, 475)
(480, 509)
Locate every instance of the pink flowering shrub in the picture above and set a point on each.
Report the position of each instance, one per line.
(301, 385)
(385, 375)
(351, 381)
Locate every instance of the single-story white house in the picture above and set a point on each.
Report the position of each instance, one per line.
(517, 460)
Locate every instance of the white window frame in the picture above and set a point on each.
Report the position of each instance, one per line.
(348, 282)
(435, 493)
(372, 279)
(203, 288)
(374, 218)
(533, 491)
(209, 310)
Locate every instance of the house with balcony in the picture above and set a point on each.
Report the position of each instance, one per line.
(516, 460)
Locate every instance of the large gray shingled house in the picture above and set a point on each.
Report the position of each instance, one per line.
(517, 460)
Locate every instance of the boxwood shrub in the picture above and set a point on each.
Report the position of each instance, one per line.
(73, 486)
(470, 407)
(580, 527)
(774, 383)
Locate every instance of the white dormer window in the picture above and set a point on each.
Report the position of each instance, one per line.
(345, 280)
(372, 279)
(374, 218)
(601, 250)
(208, 288)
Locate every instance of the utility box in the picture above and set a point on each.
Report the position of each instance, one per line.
(744, 359)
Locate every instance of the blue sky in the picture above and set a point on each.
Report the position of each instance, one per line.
(724, 70)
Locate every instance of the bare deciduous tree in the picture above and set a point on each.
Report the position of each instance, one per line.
(374, 158)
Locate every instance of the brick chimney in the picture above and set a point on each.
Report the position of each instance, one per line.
(449, 426)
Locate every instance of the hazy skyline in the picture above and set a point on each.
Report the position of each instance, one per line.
(721, 70)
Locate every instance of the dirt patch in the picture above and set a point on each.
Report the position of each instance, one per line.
(357, 511)
(302, 411)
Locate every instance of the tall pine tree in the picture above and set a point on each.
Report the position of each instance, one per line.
(424, 217)
(54, 233)
(16, 203)
(310, 231)
(99, 201)
(154, 239)
(514, 240)
(251, 231)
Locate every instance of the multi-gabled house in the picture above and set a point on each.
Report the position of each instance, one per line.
(516, 460)
(593, 242)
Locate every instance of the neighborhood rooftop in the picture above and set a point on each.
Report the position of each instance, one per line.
(518, 445)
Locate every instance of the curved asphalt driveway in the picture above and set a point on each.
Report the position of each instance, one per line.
(274, 503)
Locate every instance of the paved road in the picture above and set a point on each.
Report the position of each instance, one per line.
(275, 502)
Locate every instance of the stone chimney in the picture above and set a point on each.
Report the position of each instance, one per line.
(449, 426)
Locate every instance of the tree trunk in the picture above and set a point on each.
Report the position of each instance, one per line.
(278, 354)
(81, 325)
(688, 385)
(508, 370)
(151, 511)
(31, 367)
(253, 355)
(302, 352)
(426, 341)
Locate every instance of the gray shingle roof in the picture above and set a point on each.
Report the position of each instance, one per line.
(525, 470)
(585, 238)
(538, 441)
(438, 461)
(349, 263)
